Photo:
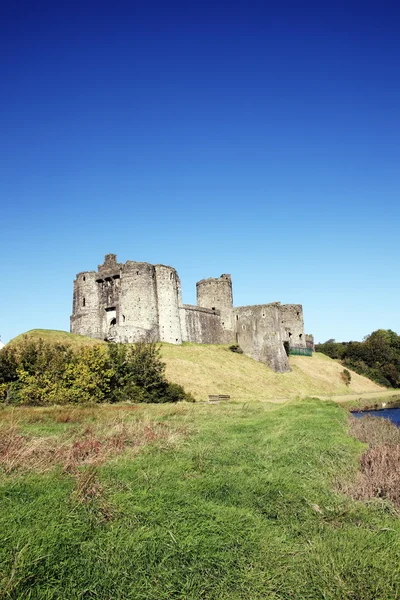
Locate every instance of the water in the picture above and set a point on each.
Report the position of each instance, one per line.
(393, 414)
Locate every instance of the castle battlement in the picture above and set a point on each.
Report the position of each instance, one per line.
(132, 301)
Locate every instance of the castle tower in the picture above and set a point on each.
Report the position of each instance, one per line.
(168, 301)
(86, 318)
(216, 294)
(138, 315)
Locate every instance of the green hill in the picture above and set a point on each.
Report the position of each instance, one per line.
(208, 369)
(54, 336)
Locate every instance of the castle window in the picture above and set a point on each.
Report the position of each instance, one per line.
(84, 302)
(123, 318)
(300, 336)
(237, 317)
(289, 334)
(171, 275)
(113, 321)
(213, 308)
(137, 272)
(84, 278)
(263, 315)
(297, 313)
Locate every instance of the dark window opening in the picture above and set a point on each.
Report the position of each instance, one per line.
(290, 335)
(301, 335)
(286, 346)
(137, 272)
(84, 302)
(110, 308)
(116, 276)
(84, 278)
(113, 321)
(176, 339)
(213, 308)
(297, 313)
(171, 275)
(237, 317)
(123, 318)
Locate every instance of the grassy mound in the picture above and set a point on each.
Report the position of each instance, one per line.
(209, 369)
(54, 336)
(205, 369)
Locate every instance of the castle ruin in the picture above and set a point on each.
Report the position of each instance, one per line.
(132, 301)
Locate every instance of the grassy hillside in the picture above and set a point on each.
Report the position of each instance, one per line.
(207, 369)
(54, 336)
(170, 502)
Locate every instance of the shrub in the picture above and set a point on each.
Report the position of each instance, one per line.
(235, 348)
(39, 373)
(346, 376)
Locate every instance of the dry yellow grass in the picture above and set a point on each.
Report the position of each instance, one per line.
(205, 369)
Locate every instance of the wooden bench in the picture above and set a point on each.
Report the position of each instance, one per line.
(218, 397)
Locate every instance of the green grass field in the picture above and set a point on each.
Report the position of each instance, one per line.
(187, 501)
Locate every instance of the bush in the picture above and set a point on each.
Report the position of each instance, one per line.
(346, 376)
(39, 373)
(235, 348)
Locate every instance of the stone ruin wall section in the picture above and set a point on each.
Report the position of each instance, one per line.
(85, 319)
(258, 333)
(201, 325)
(168, 299)
(292, 324)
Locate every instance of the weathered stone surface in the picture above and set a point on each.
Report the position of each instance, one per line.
(293, 325)
(259, 334)
(127, 302)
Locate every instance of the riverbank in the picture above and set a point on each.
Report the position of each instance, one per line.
(155, 502)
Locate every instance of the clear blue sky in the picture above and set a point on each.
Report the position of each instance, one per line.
(258, 139)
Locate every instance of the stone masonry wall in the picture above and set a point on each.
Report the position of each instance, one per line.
(167, 284)
(259, 334)
(293, 325)
(201, 325)
(85, 319)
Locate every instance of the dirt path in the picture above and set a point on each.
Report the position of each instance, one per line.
(365, 395)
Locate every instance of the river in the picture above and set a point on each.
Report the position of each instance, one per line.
(393, 414)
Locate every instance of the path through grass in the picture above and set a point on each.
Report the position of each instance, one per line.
(239, 504)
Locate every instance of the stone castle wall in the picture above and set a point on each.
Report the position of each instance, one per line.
(132, 301)
(201, 325)
(259, 334)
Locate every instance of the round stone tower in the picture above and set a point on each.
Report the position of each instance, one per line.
(216, 294)
(86, 319)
